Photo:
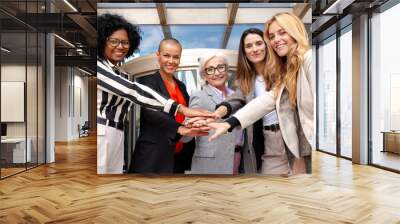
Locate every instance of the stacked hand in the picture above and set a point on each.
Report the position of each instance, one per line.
(194, 112)
(208, 123)
(202, 121)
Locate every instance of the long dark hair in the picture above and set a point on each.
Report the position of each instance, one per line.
(107, 24)
(246, 72)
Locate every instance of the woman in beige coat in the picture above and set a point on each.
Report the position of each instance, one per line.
(290, 91)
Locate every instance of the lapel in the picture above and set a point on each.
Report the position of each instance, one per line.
(278, 100)
(160, 83)
(212, 94)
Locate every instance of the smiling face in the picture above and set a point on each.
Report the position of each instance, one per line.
(220, 76)
(254, 48)
(117, 53)
(280, 40)
(169, 57)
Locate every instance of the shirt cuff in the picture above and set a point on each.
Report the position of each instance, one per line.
(228, 109)
(173, 108)
(233, 122)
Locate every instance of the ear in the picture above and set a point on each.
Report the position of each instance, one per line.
(158, 54)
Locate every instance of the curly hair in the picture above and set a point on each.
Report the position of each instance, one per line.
(107, 24)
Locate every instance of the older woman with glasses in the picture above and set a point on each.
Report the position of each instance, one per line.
(213, 157)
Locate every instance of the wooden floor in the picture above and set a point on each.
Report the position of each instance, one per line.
(69, 191)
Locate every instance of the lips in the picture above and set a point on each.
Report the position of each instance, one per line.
(256, 55)
(219, 77)
(170, 67)
(118, 53)
(280, 46)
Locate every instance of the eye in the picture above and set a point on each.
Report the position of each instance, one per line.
(271, 36)
(282, 32)
(248, 45)
(259, 43)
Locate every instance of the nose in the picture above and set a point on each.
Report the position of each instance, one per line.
(278, 38)
(120, 45)
(254, 48)
(218, 73)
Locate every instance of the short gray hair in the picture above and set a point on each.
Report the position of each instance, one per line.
(206, 58)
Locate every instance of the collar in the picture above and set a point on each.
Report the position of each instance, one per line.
(221, 93)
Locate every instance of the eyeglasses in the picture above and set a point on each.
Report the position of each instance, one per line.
(211, 70)
(115, 42)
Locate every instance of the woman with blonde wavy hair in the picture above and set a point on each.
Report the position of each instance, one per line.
(289, 88)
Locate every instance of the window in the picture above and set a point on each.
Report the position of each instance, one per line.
(385, 88)
(327, 96)
(346, 92)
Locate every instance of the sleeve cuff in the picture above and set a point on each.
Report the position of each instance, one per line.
(173, 108)
(178, 136)
(233, 122)
(228, 109)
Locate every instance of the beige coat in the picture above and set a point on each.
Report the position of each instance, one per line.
(264, 104)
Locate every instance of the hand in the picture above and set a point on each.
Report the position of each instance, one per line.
(220, 129)
(194, 112)
(202, 121)
(192, 132)
(220, 112)
(198, 122)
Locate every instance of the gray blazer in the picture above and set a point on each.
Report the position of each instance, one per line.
(291, 130)
(214, 157)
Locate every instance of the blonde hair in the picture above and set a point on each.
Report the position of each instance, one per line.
(283, 70)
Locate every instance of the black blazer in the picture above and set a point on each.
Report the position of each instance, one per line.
(158, 131)
(155, 126)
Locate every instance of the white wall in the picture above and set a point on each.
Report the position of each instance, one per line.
(33, 126)
(70, 83)
(61, 103)
(13, 73)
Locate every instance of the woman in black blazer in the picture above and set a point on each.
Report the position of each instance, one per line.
(155, 149)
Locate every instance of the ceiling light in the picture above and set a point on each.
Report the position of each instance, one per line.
(70, 5)
(5, 50)
(65, 41)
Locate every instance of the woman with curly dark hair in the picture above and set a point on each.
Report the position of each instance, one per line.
(118, 39)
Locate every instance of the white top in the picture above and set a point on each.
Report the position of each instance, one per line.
(259, 89)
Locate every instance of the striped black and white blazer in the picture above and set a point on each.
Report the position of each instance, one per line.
(115, 95)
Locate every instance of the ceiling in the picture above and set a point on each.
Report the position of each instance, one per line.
(74, 22)
(212, 25)
(330, 16)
